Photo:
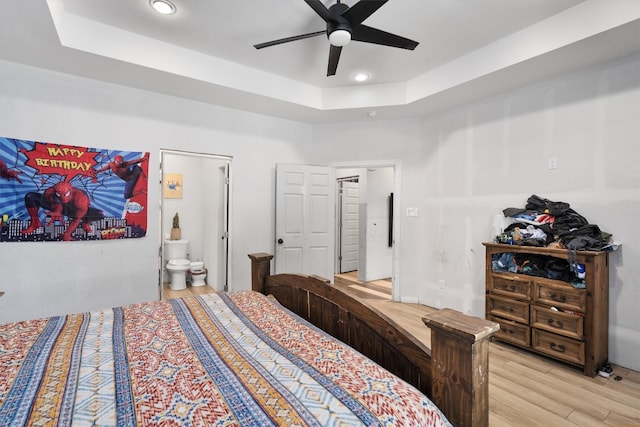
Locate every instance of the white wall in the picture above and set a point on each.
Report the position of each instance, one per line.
(463, 166)
(190, 219)
(459, 168)
(43, 279)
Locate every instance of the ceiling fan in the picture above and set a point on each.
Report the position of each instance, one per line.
(344, 24)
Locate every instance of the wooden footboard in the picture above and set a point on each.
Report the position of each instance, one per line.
(453, 373)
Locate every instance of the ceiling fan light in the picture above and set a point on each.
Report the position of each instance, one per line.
(163, 6)
(340, 38)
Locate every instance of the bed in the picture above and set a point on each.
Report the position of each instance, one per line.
(241, 358)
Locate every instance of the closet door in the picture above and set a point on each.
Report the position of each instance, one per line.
(349, 226)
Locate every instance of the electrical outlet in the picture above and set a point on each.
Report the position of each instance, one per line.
(412, 211)
(552, 163)
(441, 283)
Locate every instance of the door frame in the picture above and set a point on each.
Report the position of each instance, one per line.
(396, 165)
(228, 216)
(340, 221)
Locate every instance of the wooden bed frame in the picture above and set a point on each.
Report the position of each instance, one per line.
(453, 373)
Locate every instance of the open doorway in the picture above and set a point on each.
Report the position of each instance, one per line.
(366, 241)
(348, 223)
(196, 186)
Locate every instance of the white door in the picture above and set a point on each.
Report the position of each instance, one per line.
(305, 220)
(350, 226)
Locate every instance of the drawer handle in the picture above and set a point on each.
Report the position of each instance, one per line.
(556, 347)
(509, 309)
(561, 298)
(511, 288)
(558, 323)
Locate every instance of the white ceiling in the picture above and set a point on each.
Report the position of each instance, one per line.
(468, 49)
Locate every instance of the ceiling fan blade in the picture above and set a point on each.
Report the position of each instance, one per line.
(362, 33)
(334, 57)
(288, 39)
(320, 9)
(362, 10)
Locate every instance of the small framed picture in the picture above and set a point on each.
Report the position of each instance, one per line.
(173, 186)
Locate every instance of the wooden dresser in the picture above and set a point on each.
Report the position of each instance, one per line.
(552, 317)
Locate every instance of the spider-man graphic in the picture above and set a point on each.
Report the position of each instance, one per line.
(58, 192)
(61, 199)
(9, 174)
(127, 170)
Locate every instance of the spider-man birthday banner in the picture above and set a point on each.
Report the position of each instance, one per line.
(54, 192)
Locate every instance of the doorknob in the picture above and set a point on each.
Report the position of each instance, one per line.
(280, 241)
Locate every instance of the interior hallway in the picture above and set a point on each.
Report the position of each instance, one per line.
(376, 289)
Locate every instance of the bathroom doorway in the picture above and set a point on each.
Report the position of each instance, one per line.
(196, 186)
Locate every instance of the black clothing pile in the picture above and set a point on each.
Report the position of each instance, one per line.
(539, 266)
(543, 222)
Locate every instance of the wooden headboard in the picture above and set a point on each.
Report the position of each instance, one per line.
(453, 372)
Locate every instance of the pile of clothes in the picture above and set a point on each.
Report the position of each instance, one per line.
(543, 222)
(540, 266)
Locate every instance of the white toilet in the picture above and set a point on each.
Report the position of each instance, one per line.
(178, 264)
(198, 273)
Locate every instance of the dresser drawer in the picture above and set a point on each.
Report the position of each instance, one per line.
(508, 309)
(515, 286)
(513, 332)
(558, 346)
(559, 295)
(570, 325)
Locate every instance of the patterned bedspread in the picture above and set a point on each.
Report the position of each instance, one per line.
(236, 359)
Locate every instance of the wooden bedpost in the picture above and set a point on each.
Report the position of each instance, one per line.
(260, 269)
(460, 366)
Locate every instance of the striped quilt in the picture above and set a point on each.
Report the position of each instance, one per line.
(226, 359)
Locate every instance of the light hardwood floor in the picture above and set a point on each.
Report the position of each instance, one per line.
(524, 389)
(167, 293)
(374, 289)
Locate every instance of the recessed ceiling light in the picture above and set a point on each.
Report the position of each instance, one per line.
(164, 7)
(361, 77)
